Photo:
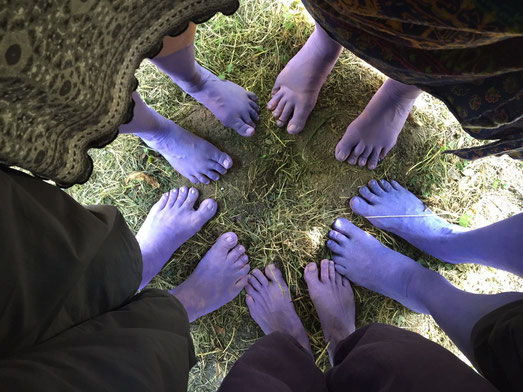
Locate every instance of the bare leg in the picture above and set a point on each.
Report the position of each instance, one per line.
(365, 261)
(234, 106)
(498, 245)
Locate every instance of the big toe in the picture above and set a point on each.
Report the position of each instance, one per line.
(298, 120)
(311, 275)
(345, 227)
(225, 243)
(360, 206)
(223, 159)
(207, 209)
(273, 274)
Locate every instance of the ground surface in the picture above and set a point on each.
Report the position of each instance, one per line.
(284, 191)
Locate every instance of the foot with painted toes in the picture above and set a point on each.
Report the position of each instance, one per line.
(371, 136)
(270, 305)
(170, 222)
(234, 106)
(218, 278)
(296, 89)
(190, 155)
(389, 206)
(363, 260)
(332, 296)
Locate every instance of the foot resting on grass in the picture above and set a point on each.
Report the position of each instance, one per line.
(218, 278)
(296, 90)
(191, 156)
(420, 227)
(333, 299)
(375, 131)
(363, 260)
(270, 305)
(235, 107)
(170, 223)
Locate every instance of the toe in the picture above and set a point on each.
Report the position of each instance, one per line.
(235, 253)
(203, 178)
(279, 109)
(182, 195)
(373, 160)
(384, 152)
(207, 209)
(275, 100)
(273, 274)
(286, 114)
(340, 268)
(395, 184)
(249, 300)
(260, 277)
(332, 271)
(375, 187)
(334, 247)
(324, 270)
(215, 166)
(223, 159)
(192, 196)
(254, 115)
(225, 243)
(368, 195)
(193, 179)
(244, 271)
(360, 206)
(355, 154)
(242, 282)
(249, 288)
(344, 226)
(173, 196)
(254, 282)
(242, 260)
(311, 274)
(243, 128)
(362, 160)
(254, 106)
(298, 120)
(338, 279)
(385, 185)
(211, 174)
(252, 96)
(160, 204)
(337, 237)
(343, 150)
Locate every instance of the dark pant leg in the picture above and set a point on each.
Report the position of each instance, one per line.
(276, 363)
(381, 357)
(61, 263)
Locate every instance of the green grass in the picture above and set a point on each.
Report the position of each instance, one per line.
(284, 191)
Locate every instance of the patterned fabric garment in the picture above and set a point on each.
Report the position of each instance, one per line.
(67, 74)
(468, 53)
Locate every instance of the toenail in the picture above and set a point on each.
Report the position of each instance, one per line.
(291, 128)
(333, 233)
(271, 266)
(227, 163)
(193, 191)
(337, 223)
(331, 262)
(183, 190)
(312, 267)
(210, 205)
(352, 161)
(230, 238)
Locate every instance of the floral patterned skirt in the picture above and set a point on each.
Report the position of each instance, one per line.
(469, 54)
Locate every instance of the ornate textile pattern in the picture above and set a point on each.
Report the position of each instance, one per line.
(67, 74)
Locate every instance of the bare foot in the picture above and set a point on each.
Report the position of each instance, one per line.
(170, 223)
(235, 107)
(191, 156)
(296, 90)
(270, 305)
(218, 278)
(333, 299)
(362, 259)
(371, 136)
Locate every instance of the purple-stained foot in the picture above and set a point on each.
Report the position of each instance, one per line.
(191, 156)
(397, 210)
(270, 305)
(234, 106)
(375, 131)
(218, 278)
(362, 259)
(170, 223)
(333, 299)
(296, 90)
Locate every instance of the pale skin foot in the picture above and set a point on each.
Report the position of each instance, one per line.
(420, 226)
(296, 89)
(371, 136)
(191, 156)
(362, 259)
(234, 106)
(270, 305)
(218, 278)
(170, 223)
(333, 299)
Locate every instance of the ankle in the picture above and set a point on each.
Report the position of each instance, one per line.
(401, 92)
(326, 49)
